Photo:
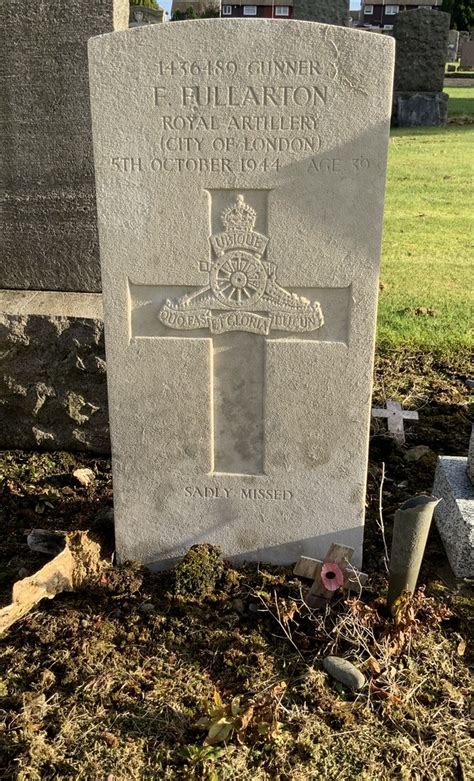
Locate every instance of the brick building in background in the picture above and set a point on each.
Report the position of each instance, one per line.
(266, 9)
(379, 14)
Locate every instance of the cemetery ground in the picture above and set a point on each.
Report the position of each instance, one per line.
(208, 672)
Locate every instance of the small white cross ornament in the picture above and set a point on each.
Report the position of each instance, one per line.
(329, 575)
(395, 416)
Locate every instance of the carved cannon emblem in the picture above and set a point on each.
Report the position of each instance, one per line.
(242, 293)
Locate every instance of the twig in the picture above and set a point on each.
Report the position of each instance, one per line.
(380, 522)
(278, 619)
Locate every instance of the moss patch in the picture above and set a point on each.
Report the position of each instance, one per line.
(199, 572)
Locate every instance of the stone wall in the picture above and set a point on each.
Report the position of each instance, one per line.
(49, 218)
(53, 392)
(324, 11)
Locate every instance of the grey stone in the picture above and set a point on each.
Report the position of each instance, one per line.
(424, 109)
(147, 608)
(240, 281)
(344, 671)
(454, 516)
(323, 11)
(48, 212)
(52, 372)
(46, 541)
(417, 453)
(421, 48)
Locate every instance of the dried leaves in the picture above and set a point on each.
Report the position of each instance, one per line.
(235, 719)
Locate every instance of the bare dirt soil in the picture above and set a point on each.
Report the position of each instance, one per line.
(207, 672)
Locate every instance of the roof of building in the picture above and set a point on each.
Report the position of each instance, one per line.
(260, 2)
(201, 5)
(404, 2)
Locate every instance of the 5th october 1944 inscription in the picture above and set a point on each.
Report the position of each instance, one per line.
(199, 140)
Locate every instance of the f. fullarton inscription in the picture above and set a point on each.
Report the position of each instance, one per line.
(240, 171)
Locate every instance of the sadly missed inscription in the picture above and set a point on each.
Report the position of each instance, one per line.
(242, 293)
(221, 492)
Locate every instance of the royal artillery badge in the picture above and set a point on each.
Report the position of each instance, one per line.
(242, 293)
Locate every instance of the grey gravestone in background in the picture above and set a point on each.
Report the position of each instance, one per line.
(323, 11)
(467, 55)
(464, 35)
(454, 483)
(455, 514)
(49, 218)
(240, 172)
(453, 45)
(421, 37)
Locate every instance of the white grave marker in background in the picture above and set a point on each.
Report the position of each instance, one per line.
(395, 416)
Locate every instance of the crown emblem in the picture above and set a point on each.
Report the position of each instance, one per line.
(240, 216)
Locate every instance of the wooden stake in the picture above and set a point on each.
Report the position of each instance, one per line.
(329, 575)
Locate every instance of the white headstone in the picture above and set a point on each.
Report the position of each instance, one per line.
(240, 174)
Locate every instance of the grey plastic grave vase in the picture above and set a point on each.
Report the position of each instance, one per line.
(410, 533)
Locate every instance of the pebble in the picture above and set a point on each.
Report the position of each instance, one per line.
(23, 572)
(84, 476)
(415, 453)
(344, 672)
(147, 608)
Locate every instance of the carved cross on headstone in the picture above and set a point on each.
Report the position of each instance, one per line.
(395, 416)
(329, 575)
(238, 309)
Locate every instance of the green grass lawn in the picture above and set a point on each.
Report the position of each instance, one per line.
(426, 299)
(461, 101)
